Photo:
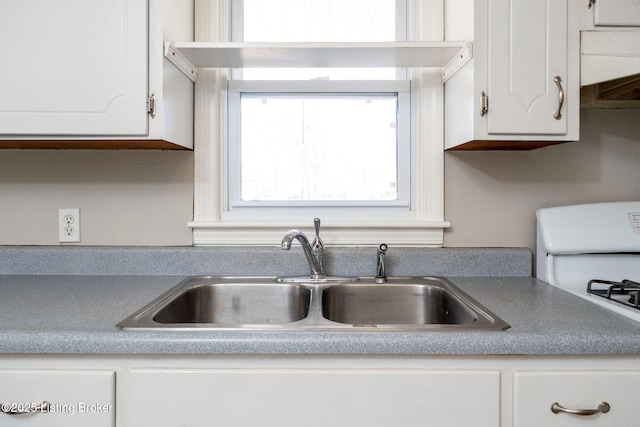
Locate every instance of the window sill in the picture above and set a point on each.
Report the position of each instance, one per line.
(335, 233)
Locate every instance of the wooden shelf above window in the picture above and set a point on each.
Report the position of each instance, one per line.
(189, 56)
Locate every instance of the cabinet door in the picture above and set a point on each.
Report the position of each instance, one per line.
(617, 12)
(527, 50)
(73, 67)
(76, 398)
(536, 392)
(237, 398)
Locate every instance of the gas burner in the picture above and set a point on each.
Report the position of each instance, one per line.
(634, 298)
(626, 292)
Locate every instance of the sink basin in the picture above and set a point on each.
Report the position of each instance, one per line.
(237, 304)
(233, 302)
(402, 303)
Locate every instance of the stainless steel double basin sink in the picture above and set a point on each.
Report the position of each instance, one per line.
(269, 303)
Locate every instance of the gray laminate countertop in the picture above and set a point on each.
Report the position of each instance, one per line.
(77, 314)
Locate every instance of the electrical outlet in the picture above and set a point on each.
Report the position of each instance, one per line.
(69, 225)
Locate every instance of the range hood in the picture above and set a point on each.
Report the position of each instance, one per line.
(610, 69)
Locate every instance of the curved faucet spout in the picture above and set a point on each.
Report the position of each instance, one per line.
(317, 269)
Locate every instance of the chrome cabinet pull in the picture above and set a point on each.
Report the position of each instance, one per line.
(604, 407)
(558, 81)
(484, 107)
(24, 408)
(151, 105)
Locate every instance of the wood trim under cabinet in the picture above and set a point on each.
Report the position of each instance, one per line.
(485, 145)
(111, 144)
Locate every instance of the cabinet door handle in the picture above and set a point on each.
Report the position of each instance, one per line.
(604, 407)
(558, 81)
(484, 107)
(24, 408)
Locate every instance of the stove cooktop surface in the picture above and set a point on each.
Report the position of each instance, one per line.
(625, 292)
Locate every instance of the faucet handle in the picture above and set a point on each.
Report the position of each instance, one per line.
(317, 246)
(317, 242)
(381, 275)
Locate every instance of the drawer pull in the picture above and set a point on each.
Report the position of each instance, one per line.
(604, 407)
(558, 81)
(24, 408)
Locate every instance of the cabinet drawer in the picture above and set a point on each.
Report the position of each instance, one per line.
(617, 12)
(536, 392)
(76, 398)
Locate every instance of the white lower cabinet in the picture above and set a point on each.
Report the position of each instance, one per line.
(312, 391)
(322, 397)
(535, 393)
(57, 398)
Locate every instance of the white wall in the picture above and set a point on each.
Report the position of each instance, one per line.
(125, 197)
(491, 197)
(146, 197)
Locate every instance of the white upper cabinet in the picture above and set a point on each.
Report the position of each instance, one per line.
(610, 53)
(74, 67)
(616, 12)
(521, 89)
(528, 55)
(85, 70)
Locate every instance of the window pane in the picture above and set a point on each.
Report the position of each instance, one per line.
(319, 21)
(319, 147)
(319, 73)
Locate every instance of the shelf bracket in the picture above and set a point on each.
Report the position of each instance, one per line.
(457, 62)
(180, 61)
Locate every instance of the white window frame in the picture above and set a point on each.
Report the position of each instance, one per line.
(215, 224)
(399, 88)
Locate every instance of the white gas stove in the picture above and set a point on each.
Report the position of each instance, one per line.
(593, 251)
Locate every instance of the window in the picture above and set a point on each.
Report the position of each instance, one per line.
(305, 138)
(317, 149)
(360, 148)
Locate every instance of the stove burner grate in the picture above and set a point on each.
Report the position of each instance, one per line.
(626, 292)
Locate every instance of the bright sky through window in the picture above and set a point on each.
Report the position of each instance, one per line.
(319, 148)
(314, 146)
(319, 20)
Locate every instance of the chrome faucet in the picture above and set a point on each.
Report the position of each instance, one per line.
(381, 275)
(314, 258)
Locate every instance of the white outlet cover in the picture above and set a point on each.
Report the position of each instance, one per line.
(69, 225)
